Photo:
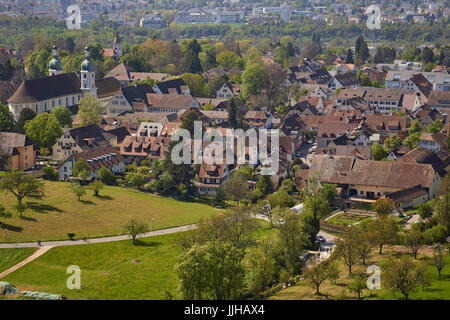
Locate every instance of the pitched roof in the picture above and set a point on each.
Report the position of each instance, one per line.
(349, 170)
(10, 141)
(103, 156)
(169, 86)
(174, 101)
(424, 156)
(107, 87)
(35, 90)
(347, 79)
(137, 93)
(121, 72)
(92, 133)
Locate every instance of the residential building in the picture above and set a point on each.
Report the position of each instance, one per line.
(19, 149)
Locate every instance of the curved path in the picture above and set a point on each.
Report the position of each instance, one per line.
(35, 255)
(96, 240)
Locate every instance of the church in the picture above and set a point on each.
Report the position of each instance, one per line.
(63, 89)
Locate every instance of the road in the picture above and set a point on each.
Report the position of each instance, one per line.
(96, 240)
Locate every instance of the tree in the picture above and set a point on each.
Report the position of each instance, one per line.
(49, 173)
(280, 199)
(404, 274)
(383, 207)
(382, 231)
(436, 234)
(415, 127)
(63, 115)
(442, 202)
(349, 57)
(210, 271)
(378, 152)
(392, 143)
(425, 210)
(438, 259)
(135, 179)
(191, 54)
(260, 266)
(189, 121)
(25, 115)
(78, 190)
(412, 141)
(229, 59)
(4, 214)
(435, 126)
(106, 176)
(90, 110)
(291, 236)
(43, 130)
(196, 85)
(81, 169)
(363, 245)
(414, 239)
(253, 79)
(134, 228)
(358, 285)
(347, 248)
(97, 186)
(317, 272)
(21, 186)
(7, 122)
(236, 188)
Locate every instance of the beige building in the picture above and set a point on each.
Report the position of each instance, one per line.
(19, 149)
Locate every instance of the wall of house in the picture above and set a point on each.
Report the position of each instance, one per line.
(46, 105)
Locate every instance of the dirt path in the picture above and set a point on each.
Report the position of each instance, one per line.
(34, 256)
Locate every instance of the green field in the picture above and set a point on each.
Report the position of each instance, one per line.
(11, 257)
(439, 289)
(59, 213)
(115, 270)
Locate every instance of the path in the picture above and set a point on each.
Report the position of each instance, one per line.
(34, 256)
(414, 219)
(96, 240)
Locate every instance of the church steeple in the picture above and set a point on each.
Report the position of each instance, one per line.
(116, 47)
(88, 75)
(55, 65)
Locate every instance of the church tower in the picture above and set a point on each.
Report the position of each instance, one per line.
(55, 65)
(116, 48)
(88, 75)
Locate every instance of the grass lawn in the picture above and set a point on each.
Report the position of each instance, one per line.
(11, 257)
(115, 270)
(438, 289)
(59, 213)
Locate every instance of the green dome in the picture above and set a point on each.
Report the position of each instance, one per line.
(87, 66)
(55, 64)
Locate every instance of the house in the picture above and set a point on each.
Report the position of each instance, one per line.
(433, 141)
(425, 156)
(419, 83)
(170, 102)
(427, 116)
(328, 131)
(226, 91)
(409, 197)
(175, 86)
(19, 149)
(397, 79)
(439, 100)
(345, 80)
(96, 158)
(377, 73)
(387, 125)
(256, 119)
(126, 75)
(367, 179)
(306, 108)
(135, 98)
(216, 117)
(412, 102)
(80, 139)
(150, 129)
(211, 177)
(144, 148)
